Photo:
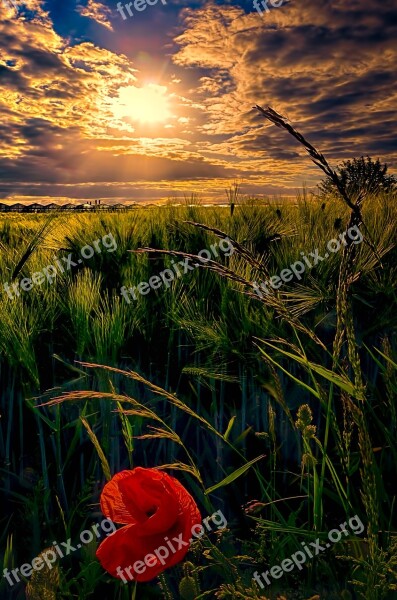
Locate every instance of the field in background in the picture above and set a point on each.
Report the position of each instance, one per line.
(205, 341)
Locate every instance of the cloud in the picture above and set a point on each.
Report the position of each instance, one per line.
(96, 11)
(329, 66)
(69, 129)
(60, 130)
(25, 11)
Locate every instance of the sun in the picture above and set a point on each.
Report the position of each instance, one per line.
(148, 104)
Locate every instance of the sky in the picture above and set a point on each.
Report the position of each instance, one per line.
(158, 105)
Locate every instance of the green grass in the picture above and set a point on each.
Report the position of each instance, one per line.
(234, 370)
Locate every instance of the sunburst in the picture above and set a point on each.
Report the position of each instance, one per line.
(147, 104)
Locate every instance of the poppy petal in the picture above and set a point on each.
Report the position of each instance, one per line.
(112, 502)
(151, 500)
(186, 502)
(123, 555)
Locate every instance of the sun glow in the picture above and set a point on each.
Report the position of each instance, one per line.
(147, 104)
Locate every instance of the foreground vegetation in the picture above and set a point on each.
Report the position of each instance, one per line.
(205, 377)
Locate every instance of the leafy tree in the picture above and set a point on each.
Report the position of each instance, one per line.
(361, 175)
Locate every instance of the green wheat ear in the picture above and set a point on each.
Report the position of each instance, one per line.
(188, 588)
(303, 422)
(43, 584)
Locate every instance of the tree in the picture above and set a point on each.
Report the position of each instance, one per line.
(361, 175)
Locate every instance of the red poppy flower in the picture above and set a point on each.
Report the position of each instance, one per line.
(158, 514)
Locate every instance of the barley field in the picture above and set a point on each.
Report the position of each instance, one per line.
(278, 409)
